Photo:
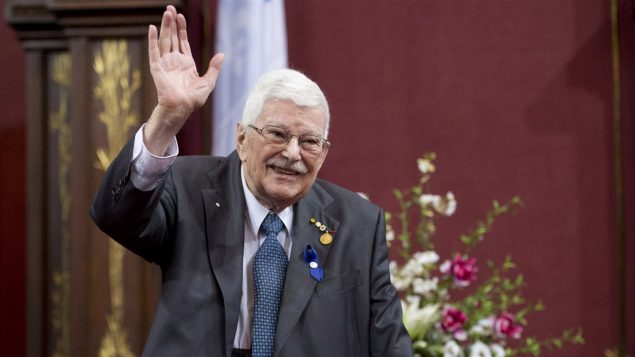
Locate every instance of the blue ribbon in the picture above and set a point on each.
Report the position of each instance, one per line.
(310, 256)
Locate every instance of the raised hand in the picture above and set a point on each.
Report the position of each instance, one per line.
(179, 87)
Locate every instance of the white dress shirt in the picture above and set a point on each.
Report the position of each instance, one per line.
(254, 216)
(148, 169)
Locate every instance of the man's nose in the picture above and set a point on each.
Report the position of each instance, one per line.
(292, 149)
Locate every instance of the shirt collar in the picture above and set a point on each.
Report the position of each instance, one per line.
(256, 212)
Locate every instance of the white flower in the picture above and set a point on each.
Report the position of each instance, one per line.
(390, 233)
(419, 320)
(393, 267)
(424, 286)
(452, 349)
(427, 200)
(487, 322)
(478, 330)
(479, 349)
(446, 205)
(497, 349)
(427, 257)
(413, 300)
(401, 283)
(460, 335)
(483, 327)
(445, 267)
(412, 268)
(442, 205)
(425, 166)
(402, 277)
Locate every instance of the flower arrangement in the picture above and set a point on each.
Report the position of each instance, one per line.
(451, 306)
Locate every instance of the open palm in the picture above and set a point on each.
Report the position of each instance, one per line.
(179, 87)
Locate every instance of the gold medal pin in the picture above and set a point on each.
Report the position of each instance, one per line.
(326, 238)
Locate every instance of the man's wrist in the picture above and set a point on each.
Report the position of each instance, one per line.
(161, 128)
(148, 169)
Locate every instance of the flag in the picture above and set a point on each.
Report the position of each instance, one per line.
(252, 35)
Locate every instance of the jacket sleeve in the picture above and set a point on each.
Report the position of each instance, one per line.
(138, 220)
(388, 334)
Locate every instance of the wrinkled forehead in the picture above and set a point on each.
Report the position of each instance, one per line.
(286, 113)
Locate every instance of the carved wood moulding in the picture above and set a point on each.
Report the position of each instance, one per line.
(31, 17)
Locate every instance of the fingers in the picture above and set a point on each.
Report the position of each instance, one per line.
(164, 35)
(171, 9)
(184, 44)
(173, 34)
(174, 41)
(153, 46)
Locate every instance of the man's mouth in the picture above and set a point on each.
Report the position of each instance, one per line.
(287, 168)
(284, 171)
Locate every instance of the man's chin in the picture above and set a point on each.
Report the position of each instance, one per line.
(281, 199)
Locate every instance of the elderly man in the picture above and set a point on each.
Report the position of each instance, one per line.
(257, 256)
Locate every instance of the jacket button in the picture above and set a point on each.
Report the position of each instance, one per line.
(116, 191)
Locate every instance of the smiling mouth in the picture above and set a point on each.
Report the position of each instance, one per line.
(284, 171)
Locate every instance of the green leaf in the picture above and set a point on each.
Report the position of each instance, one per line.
(539, 306)
(487, 289)
(508, 263)
(519, 279)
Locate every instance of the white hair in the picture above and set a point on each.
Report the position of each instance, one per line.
(285, 84)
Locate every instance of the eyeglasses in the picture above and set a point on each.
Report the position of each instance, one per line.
(310, 144)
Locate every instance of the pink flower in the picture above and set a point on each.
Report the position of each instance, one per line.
(453, 319)
(505, 326)
(463, 271)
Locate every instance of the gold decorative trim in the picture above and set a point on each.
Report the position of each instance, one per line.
(115, 89)
(617, 170)
(29, 10)
(61, 290)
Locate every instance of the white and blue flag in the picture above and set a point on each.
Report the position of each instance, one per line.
(252, 35)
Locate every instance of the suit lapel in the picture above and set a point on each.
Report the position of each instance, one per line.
(224, 207)
(299, 285)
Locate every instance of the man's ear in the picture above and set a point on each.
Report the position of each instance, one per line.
(240, 140)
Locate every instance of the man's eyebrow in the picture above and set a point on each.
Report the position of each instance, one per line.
(282, 126)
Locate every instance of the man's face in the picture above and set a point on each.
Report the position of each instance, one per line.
(279, 175)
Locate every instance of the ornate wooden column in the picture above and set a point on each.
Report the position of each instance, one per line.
(88, 89)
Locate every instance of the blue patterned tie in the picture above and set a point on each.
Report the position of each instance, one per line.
(270, 270)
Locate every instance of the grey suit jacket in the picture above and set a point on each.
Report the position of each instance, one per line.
(192, 224)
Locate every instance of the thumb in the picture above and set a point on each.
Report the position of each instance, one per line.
(214, 68)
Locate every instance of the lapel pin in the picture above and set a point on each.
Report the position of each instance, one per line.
(326, 238)
(311, 258)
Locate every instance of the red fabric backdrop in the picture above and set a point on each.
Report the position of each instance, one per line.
(515, 98)
(12, 194)
(627, 34)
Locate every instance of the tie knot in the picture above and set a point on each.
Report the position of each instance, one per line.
(272, 224)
